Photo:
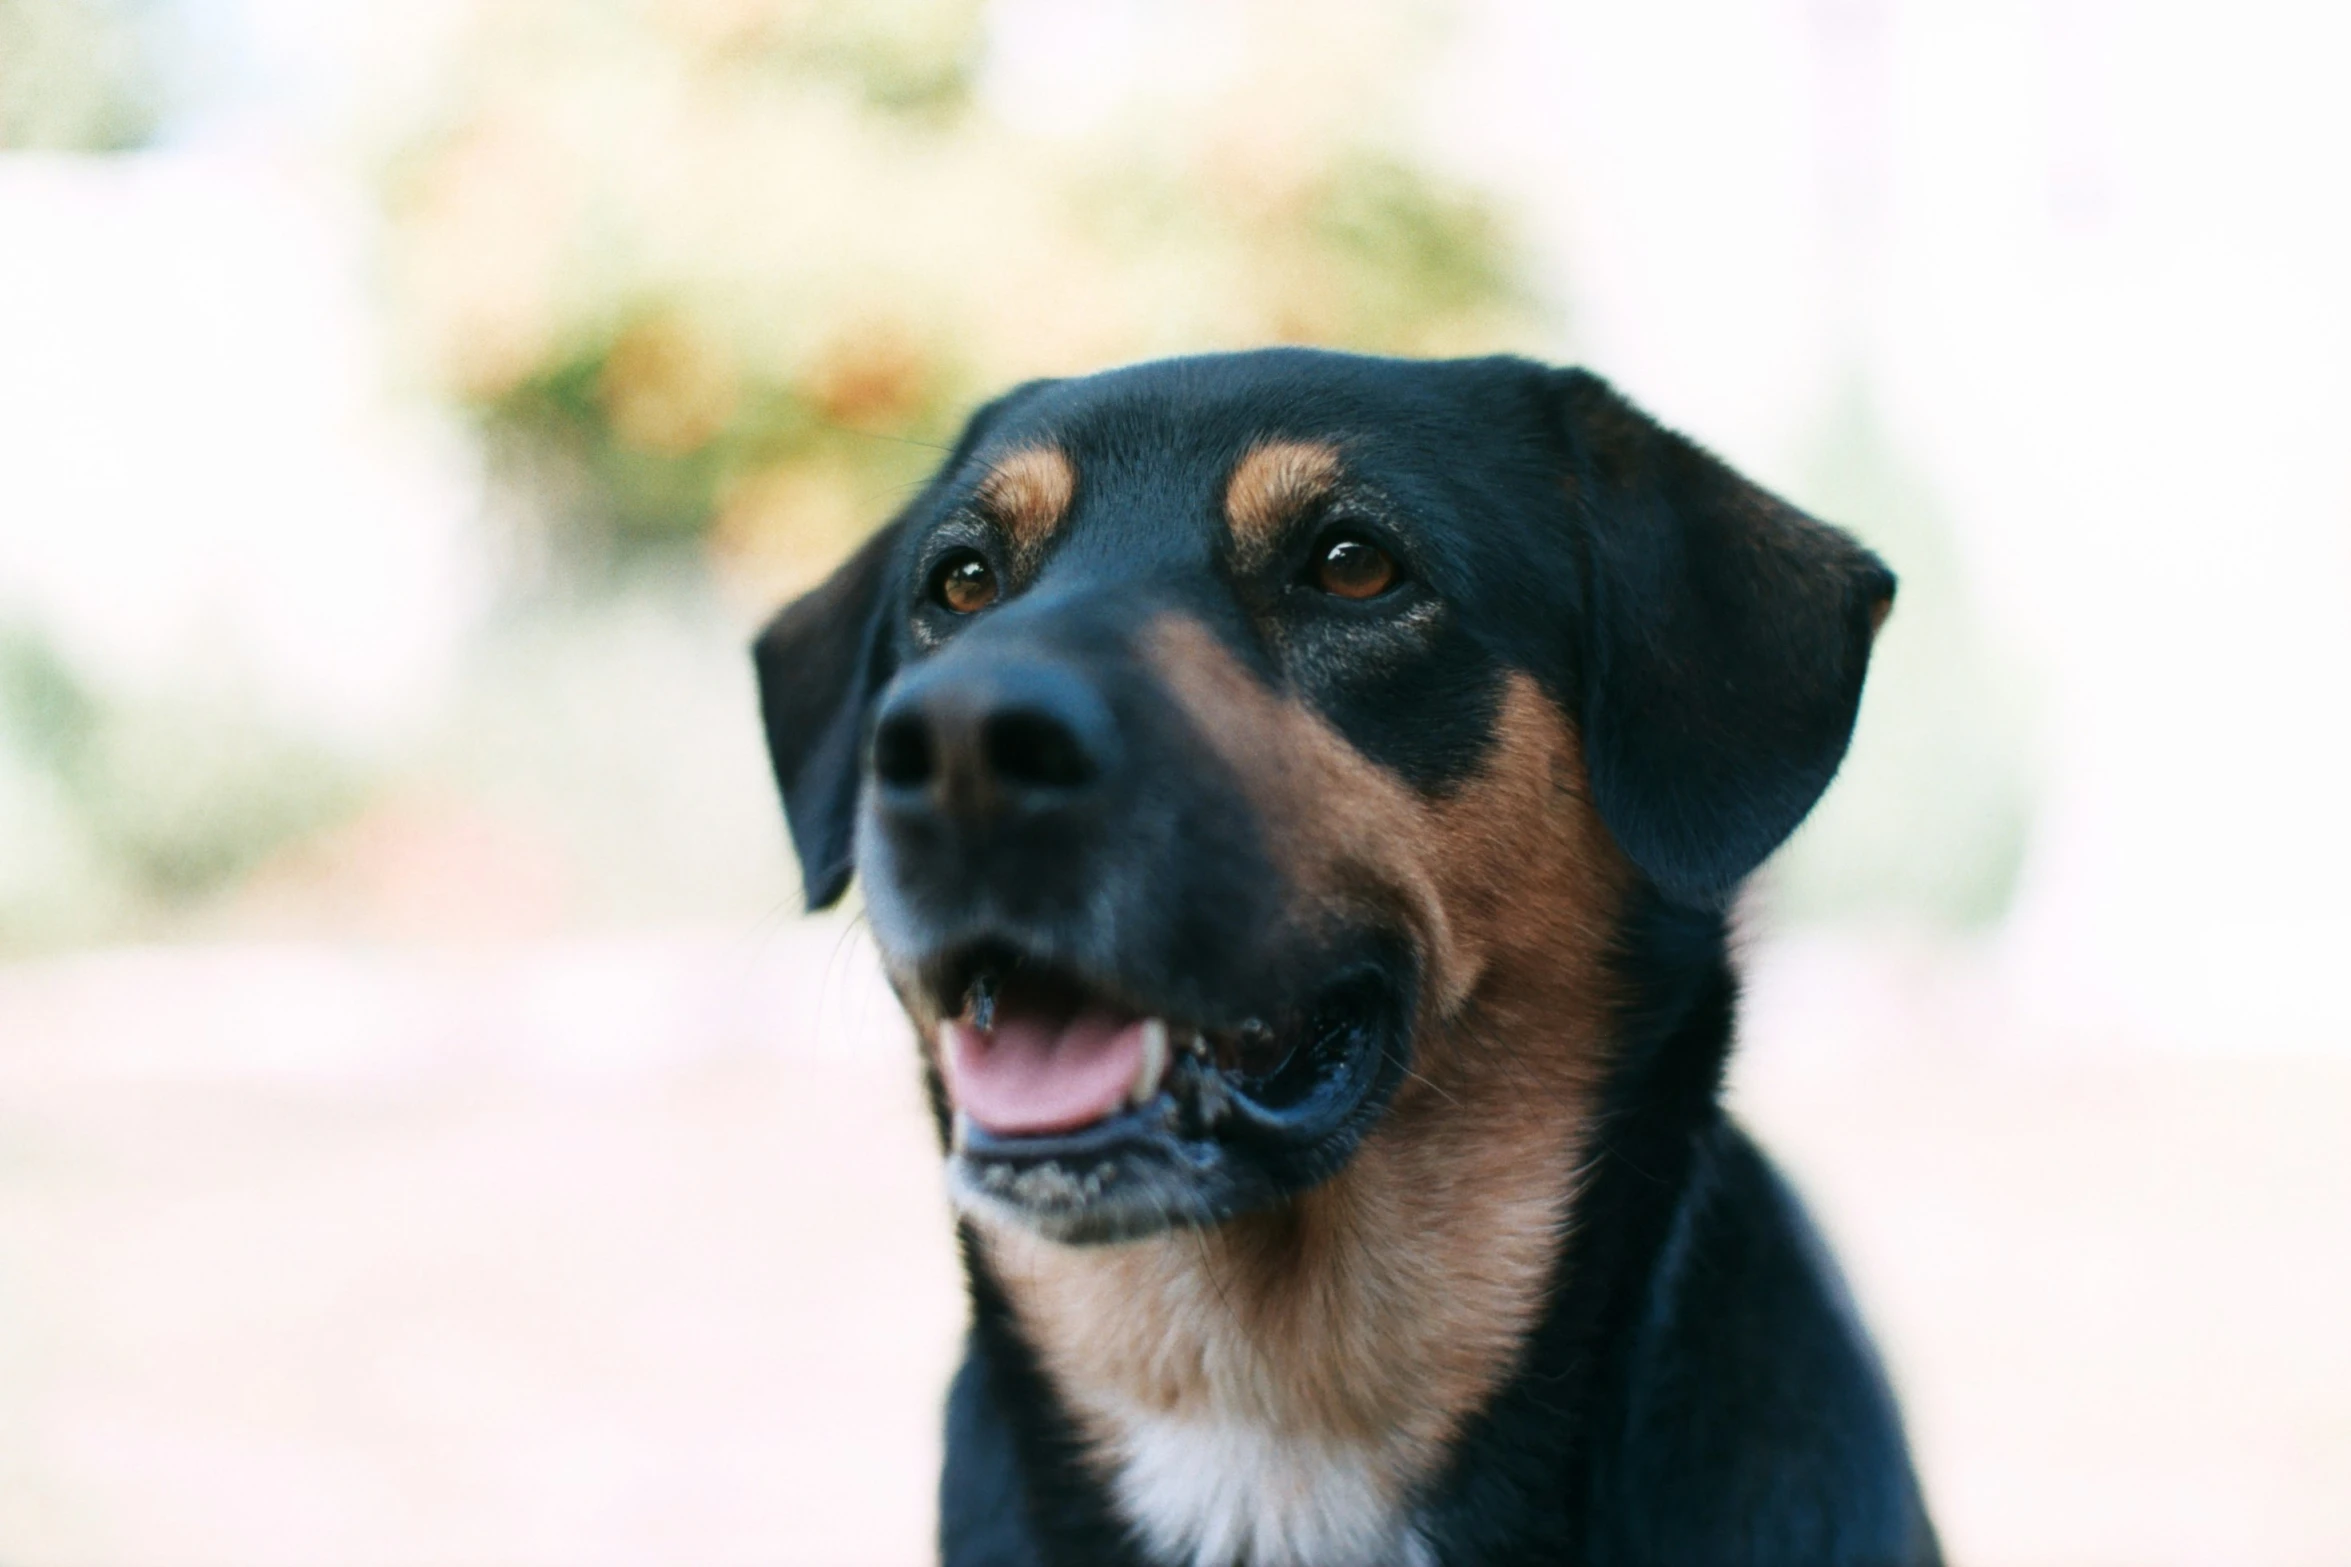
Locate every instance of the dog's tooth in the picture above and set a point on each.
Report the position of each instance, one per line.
(1153, 1066)
(1210, 1101)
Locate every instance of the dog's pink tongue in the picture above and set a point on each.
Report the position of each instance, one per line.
(1034, 1073)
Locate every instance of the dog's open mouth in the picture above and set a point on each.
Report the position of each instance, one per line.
(1091, 1117)
(1027, 1058)
(1034, 1053)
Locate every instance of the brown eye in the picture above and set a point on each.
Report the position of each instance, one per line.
(1354, 568)
(964, 583)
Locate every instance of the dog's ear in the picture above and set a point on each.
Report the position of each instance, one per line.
(821, 663)
(1725, 635)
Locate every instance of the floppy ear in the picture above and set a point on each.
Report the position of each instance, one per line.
(821, 663)
(1725, 639)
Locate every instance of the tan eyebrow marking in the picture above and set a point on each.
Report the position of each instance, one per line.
(1028, 493)
(1269, 487)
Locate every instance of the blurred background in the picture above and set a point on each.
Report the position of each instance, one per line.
(430, 1133)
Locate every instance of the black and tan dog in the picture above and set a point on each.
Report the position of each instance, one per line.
(1297, 797)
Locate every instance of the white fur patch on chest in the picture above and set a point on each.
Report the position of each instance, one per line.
(1229, 1493)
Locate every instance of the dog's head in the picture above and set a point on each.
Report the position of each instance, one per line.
(1217, 736)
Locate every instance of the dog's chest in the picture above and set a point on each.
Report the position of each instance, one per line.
(1223, 1492)
(1276, 1392)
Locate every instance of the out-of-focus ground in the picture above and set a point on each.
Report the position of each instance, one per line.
(634, 1251)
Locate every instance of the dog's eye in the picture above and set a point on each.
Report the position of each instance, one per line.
(964, 583)
(1353, 567)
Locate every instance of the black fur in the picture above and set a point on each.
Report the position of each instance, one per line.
(1697, 1390)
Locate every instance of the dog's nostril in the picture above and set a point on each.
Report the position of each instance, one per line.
(1035, 750)
(902, 752)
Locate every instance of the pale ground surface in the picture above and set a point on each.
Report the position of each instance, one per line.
(634, 1253)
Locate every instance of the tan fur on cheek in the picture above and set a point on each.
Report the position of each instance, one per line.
(1269, 487)
(1368, 1320)
(1344, 833)
(1028, 493)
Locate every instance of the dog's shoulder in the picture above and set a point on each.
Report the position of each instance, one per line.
(1756, 1422)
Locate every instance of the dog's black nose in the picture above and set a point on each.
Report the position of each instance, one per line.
(977, 741)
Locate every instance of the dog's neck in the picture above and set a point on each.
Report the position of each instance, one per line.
(1276, 1390)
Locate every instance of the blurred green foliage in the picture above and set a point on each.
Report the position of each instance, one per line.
(718, 276)
(139, 807)
(77, 75)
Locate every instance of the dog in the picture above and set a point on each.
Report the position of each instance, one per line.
(1298, 799)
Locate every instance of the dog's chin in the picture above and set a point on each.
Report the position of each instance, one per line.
(1087, 1112)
